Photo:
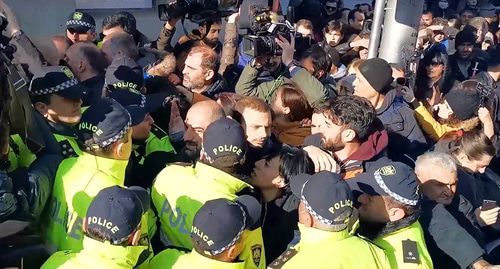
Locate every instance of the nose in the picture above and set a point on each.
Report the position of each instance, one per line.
(482, 170)
(188, 135)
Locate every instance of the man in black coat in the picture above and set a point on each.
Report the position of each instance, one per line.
(452, 235)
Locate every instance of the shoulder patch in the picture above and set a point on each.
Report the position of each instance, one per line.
(410, 252)
(256, 254)
(77, 16)
(66, 150)
(283, 258)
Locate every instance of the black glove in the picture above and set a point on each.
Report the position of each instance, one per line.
(407, 94)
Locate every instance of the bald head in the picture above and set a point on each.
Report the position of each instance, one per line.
(119, 44)
(199, 116)
(85, 60)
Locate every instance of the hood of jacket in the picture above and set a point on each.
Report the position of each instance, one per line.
(389, 99)
(375, 145)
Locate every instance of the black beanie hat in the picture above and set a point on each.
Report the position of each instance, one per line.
(464, 100)
(465, 36)
(378, 73)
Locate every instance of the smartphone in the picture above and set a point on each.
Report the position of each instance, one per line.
(488, 204)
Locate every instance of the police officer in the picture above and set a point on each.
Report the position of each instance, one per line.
(389, 211)
(325, 210)
(112, 232)
(106, 136)
(80, 27)
(223, 150)
(57, 95)
(126, 85)
(218, 235)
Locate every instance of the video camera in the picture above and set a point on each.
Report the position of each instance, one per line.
(265, 28)
(198, 11)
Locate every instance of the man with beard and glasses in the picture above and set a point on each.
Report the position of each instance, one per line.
(346, 131)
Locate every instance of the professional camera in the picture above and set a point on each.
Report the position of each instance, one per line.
(198, 11)
(265, 28)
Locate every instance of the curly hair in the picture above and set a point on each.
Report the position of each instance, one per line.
(354, 112)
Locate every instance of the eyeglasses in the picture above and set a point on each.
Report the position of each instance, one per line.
(74, 31)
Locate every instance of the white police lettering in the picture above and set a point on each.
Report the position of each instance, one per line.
(340, 205)
(90, 127)
(123, 84)
(104, 223)
(202, 236)
(227, 148)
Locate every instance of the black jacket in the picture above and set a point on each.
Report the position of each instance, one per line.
(94, 90)
(279, 222)
(474, 66)
(451, 236)
(405, 135)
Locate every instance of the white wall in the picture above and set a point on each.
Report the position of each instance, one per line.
(42, 19)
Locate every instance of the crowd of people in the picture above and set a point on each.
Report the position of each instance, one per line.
(189, 153)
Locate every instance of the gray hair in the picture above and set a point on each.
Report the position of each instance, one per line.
(125, 43)
(436, 159)
(334, 227)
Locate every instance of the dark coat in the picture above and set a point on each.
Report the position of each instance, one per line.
(451, 235)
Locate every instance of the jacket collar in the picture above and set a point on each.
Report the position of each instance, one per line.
(230, 182)
(111, 167)
(132, 256)
(196, 258)
(62, 129)
(376, 231)
(373, 146)
(310, 235)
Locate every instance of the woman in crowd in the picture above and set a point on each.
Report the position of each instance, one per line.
(290, 107)
(473, 151)
(430, 75)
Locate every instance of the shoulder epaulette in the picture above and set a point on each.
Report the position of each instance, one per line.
(67, 150)
(158, 132)
(282, 259)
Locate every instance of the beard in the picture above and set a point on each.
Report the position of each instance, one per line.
(192, 152)
(193, 83)
(333, 145)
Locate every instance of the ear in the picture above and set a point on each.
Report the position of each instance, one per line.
(232, 252)
(42, 108)
(209, 74)
(396, 214)
(286, 110)
(84, 225)
(136, 236)
(202, 29)
(305, 218)
(119, 149)
(279, 182)
(348, 135)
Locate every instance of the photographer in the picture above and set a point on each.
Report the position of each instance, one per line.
(285, 69)
(202, 36)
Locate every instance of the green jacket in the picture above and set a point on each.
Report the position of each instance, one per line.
(250, 84)
(178, 193)
(320, 249)
(96, 254)
(77, 181)
(175, 259)
(392, 243)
